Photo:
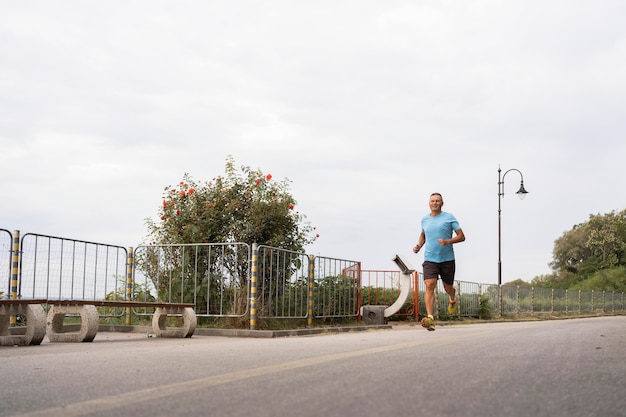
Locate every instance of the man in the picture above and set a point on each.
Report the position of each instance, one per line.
(436, 235)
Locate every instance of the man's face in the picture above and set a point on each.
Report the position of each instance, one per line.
(435, 203)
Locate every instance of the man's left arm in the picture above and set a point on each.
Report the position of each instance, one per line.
(458, 238)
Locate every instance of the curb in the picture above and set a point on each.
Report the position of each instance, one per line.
(259, 334)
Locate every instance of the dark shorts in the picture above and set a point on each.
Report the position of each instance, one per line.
(443, 270)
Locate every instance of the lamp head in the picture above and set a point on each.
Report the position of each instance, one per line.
(521, 193)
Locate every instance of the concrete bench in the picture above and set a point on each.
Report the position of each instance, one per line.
(90, 320)
(35, 329)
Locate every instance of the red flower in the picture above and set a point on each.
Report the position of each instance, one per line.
(163, 217)
(317, 235)
(164, 204)
(182, 193)
(257, 182)
(291, 206)
(191, 191)
(268, 177)
(177, 212)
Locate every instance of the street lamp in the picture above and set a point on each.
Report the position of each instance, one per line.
(521, 194)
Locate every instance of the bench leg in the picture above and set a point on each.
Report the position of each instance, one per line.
(35, 329)
(89, 322)
(36, 324)
(161, 330)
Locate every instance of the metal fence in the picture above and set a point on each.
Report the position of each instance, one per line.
(212, 276)
(218, 280)
(6, 254)
(488, 301)
(59, 268)
(237, 280)
(282, 283)
(296, 285)
(337, 285)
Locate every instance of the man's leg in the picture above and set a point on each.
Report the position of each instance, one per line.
(450, 291)
(452, 300)
(429, 299)
(429, 296)
(447, 277)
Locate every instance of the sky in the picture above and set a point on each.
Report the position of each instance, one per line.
(366, 107)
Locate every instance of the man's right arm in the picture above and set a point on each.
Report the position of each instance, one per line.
(420, 242)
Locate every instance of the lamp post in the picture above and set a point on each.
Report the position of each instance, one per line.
(521, 194)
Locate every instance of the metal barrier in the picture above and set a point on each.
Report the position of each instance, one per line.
(282, 283)
(59, 268)
(212, 276)
(295, 285)
(337, 287)
(6, 254)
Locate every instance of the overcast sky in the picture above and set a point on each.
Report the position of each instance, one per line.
(366, 106)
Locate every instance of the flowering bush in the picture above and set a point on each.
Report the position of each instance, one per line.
(245, 206)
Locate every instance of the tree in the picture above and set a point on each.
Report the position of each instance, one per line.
(607, 238)
(596, 245)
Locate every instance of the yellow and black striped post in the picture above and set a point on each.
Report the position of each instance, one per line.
(129, 281)
(309, 313)
(15, 269)
(253, 287)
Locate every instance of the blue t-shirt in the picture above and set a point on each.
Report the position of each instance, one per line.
(439, 227)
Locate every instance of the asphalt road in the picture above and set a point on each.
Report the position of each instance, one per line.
(574, 367)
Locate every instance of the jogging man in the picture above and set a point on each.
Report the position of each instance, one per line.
(436, 236)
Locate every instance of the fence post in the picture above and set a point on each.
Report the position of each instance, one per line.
(129, 282)
(480, 299)
(500, 300)
(253, 286)
(593, 302)
(458, 299)
(416, 292)
(15, 262)
(311, 286)
(566, 301)
(612, 301)
(580, 303)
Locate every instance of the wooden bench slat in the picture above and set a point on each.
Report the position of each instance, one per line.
(22, 301)
(113, 303)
